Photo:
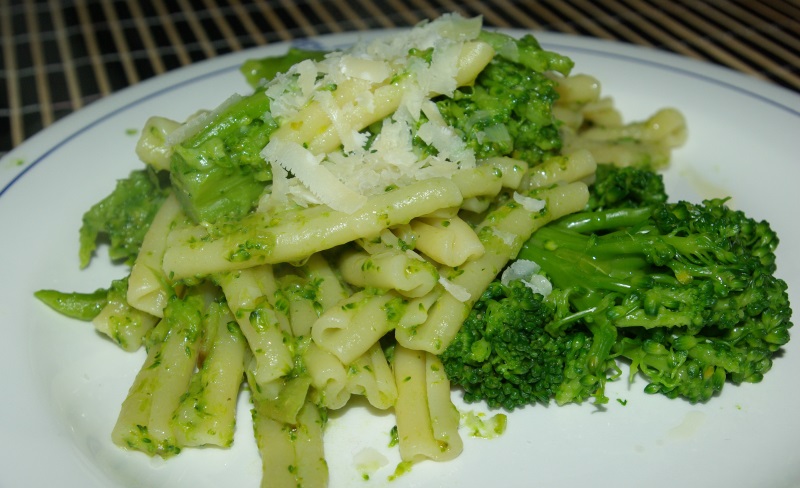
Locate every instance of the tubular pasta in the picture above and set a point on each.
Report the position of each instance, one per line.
(427, 420)
(371, 376)
(259, 239)
(447, 241)
(245, 293)
(390, 269)
(148, 286)
(350, 328)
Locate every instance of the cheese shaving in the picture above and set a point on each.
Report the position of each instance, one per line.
(532, 205)
(459, 292)
(527, 272)
(299, 161)
(344, 178)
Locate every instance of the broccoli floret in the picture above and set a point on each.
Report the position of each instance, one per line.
(684, 292)
(625, 187)
(508, 110)
(504, 356)
(689, 288)
(123, 217)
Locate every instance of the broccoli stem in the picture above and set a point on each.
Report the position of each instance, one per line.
(260, 70)
(81, 306)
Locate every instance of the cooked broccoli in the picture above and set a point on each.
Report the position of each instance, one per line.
(689, 288)
(219, 172)
(508, 110)
(257, 71)
(81, 306)
(625, 187)
(686, 293)
(504, 356)
(123, 217)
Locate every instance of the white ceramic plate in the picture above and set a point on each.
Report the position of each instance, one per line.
(62, 384)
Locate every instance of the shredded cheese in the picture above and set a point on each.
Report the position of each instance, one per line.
(459, 292)
(344, 178)
(528, 272)
(296, 159)
(532, 205)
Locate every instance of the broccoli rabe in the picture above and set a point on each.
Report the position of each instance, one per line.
(123, 217)
(508, 110)
(625, 187)
(219, 172)
(81, 306)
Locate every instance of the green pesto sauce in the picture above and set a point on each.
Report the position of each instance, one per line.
(402, 468)
(395, 308)
(482, 427)
(394, 438)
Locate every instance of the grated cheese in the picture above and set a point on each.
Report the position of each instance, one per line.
(299, 161)
(344, 178)
(528, 272)
(532, 205)
(459, 292)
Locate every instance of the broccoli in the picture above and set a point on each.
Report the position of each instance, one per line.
(686, 293)
(258, 71)
(123, 217)
(625, 187)
(504, 356)
(689, 288)
(508, 110)
(219, 172)
(81, 306)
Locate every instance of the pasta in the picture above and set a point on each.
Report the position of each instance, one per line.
(148, 286)
(427, 421)
(591, 122)
(259, 322)
(390, 269)
(360, 260)
(295, 235)
(206, 414)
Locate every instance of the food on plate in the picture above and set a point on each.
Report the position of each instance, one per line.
(413, 215)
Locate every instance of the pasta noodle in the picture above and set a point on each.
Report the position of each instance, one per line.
(206, 414)
(449, 241)
(262, 239)
(259, 322)
(427, 421)
(162, 381)
(391, 269)
(148, 286)
(371, 376)
(350, 328)
(124, 324)
(591, 122)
